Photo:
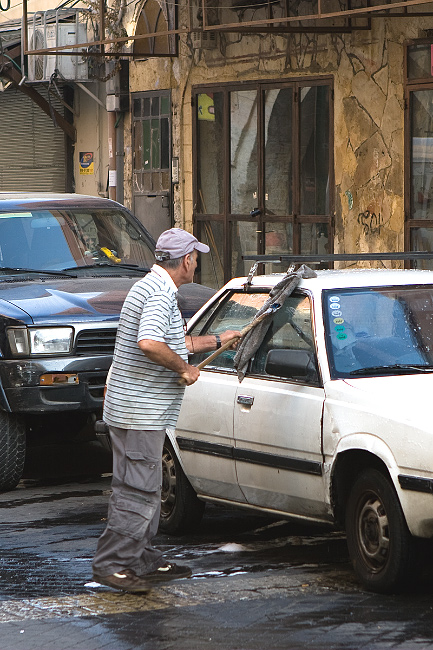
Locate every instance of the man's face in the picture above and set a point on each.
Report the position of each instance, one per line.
(191, 265)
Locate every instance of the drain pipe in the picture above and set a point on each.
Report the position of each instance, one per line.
(112, 165)
(112, 104)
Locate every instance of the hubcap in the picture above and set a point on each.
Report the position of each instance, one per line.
(168, 491)
(373, 533)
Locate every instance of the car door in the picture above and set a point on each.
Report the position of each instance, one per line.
(205, 427)
(277, 422)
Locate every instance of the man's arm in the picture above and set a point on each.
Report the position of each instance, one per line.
(208, 342)
(161, 354)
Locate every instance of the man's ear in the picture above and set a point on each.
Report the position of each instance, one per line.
(186, 261)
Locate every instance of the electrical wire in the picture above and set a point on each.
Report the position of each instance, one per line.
(172, 4)
(255, 5)
(10, 59)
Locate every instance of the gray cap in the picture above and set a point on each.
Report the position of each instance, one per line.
(176, 243)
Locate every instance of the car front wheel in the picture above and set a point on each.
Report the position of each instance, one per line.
(181, 510)
(378, 539)
(12, 450)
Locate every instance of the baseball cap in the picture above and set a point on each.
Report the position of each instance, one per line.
(176, 243)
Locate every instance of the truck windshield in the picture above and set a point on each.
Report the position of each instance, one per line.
(67, 239)
(379, 330)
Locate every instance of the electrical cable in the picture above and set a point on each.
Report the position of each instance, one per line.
(10, 59)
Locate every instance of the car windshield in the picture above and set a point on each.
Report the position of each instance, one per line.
(70, 239)
(379, 330)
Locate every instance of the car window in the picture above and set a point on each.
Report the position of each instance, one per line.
(60, 239)
(290, 330)
(234, 311)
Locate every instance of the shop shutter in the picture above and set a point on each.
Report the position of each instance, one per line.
(32, 148)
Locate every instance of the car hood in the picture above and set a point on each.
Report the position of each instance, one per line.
(50, 301)
(402, 398)
(74, 299)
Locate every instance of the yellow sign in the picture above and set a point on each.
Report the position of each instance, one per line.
(86, 162)
(206, 108)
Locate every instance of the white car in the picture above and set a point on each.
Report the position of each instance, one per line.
(332, 422)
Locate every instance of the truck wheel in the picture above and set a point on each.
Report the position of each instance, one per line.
(181, 510)
(12, 450)
(378, 539)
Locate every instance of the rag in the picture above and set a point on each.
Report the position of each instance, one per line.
(278, 294)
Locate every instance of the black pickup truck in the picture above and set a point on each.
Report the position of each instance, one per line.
(66, 264)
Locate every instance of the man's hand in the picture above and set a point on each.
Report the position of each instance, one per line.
(189, 376)
(230, 334)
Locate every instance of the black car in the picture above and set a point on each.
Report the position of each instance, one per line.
(66, 264)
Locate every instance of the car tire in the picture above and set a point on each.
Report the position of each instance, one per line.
(181, 509)
(378, 539)
(12, 450)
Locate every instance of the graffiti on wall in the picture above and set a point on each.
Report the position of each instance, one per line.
(370, 222)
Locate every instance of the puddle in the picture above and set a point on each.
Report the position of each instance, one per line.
(32, 575)
(51, 498)
(287, 551)
(237, 570)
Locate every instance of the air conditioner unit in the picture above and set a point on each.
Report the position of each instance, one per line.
(204, 40)
(70, 67)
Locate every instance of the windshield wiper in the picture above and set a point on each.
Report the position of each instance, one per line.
(133, 267)
(396, 366)
(12, 269)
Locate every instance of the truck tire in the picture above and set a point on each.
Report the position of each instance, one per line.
(181, 509)
(379, 541)
(12, 450)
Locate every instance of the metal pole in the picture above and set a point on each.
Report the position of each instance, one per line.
(102, 23)
(339, 257)
(203, 4)
(24, 35)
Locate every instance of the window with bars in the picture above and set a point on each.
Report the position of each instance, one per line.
(156, 16)
(151, 136)
(419, 150)
(263, 172)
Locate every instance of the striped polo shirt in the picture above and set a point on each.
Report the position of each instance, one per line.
(140, 393)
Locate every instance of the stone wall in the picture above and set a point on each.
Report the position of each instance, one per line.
(368, 72)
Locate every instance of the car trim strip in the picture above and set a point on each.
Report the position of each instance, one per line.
(200, 447)
(250, 456)
(416, 483)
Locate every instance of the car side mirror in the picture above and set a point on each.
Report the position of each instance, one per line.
(294, 364)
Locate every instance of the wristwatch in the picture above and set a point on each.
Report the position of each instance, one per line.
(218, 341)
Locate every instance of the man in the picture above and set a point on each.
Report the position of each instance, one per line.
(144, 394)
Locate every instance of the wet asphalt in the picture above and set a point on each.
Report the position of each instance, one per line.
(257, 583)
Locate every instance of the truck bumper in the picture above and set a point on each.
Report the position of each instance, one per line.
(24, 393)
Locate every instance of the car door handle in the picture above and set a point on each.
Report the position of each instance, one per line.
(246, 400)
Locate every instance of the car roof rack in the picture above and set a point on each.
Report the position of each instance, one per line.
(293, 260)
(338, 257)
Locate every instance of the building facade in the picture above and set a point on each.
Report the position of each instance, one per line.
(269, 127)
(303, 142)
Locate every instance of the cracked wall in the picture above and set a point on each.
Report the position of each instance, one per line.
(369, 144)
(368, 69)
